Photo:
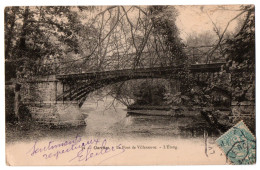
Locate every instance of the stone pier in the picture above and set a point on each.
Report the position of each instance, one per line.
(39, 96)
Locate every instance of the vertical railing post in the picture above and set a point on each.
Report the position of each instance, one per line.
(70, 90)
(56, 91)
(63, 92)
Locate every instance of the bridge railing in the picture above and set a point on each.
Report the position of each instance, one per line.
(147, 59)
(204, 54)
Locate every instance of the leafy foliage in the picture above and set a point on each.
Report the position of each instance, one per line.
(150, 93)
(163, 19)
(240, 52)
(37, 36)
(236, 80)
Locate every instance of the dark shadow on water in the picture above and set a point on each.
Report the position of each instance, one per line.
(163, 126)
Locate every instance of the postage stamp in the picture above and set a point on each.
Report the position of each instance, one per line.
(239, 145)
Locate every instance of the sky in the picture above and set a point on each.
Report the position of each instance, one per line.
(197, 19)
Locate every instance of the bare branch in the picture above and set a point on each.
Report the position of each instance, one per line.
(131, 27)
(140, 9)
(107, 9)
(222, 35)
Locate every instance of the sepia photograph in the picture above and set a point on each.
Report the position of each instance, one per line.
(130, 85)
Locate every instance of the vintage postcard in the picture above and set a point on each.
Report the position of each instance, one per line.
(130, 85)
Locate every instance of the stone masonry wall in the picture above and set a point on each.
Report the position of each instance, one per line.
(39, 95)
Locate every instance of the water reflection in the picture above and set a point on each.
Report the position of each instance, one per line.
(115, 122)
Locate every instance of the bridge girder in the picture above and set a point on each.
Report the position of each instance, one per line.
(80, 85)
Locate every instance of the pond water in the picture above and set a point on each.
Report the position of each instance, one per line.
(116, 121)
(106, 120)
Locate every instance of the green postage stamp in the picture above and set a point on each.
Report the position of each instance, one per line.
(239, 144)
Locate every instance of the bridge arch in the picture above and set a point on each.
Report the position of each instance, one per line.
(79, 91)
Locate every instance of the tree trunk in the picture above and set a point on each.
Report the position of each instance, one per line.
(9, 35)
(24, 29)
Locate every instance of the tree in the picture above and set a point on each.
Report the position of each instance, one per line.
(137, 37)
(35, 36)
(163, 19)
(240, 53)
(128, 33)
(199, 45)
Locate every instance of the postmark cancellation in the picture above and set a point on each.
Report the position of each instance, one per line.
(239, 145)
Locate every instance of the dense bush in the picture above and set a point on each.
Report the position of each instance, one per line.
(150, 93)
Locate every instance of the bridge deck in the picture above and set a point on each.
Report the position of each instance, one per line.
(213, 67)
